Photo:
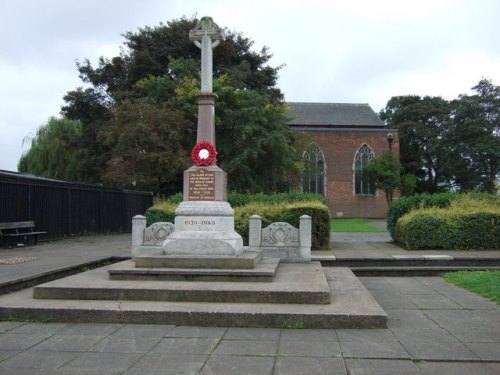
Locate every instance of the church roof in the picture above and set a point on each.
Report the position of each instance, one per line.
(333, 115)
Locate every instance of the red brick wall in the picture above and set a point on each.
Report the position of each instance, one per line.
(339, 149)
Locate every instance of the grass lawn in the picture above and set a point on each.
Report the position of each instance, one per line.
(352, 225)
(485, 283)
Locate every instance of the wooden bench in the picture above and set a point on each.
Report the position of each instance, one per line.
(24, 229)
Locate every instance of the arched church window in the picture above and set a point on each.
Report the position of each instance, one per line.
(362, 184)
(313, 178)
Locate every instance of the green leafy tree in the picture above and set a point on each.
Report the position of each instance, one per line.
(422, 123)
(145, 142)
(161, 65)
(55, 151)
(384, 173)
(474, 138)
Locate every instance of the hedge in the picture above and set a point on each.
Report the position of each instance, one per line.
(466, 224)
(238, 199)
(402, 206)
(286, 212)
(161, 211)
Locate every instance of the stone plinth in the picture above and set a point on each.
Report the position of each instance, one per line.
(204, 228)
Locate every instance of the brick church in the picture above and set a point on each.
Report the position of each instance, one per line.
(341, 139)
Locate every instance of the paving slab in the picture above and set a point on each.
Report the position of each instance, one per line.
(362, 366)
(230, 365)
(289, 365)
(167, 363)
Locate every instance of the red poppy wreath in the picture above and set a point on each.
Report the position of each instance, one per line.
(204, 154)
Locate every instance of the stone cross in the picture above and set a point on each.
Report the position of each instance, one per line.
(206, 35)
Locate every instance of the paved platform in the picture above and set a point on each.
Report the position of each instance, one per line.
(433, 328)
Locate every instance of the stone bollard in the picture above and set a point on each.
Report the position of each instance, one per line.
(305, 237)
(255, 232)
(138, 226)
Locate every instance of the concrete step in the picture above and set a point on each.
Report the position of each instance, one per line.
(351, 306)
(247, 260)
(293, 284)
(264, 271)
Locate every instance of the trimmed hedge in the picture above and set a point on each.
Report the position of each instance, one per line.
(402, 206)
(466, 224)
(161, 211)
(286, 212)
(239, 199)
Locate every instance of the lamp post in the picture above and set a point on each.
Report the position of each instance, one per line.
(390, 138)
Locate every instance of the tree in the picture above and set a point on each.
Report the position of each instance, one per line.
(384, 173)
(145, 142)
(474, 138)
(54, 151)
(160, 66)
(422, 122)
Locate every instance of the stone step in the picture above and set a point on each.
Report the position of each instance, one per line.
(264, 271)
(351, 306)
(247, 260)
(293, 284)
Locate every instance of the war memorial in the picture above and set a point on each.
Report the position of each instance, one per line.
(197, 271)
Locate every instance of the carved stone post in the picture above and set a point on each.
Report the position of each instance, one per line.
(255, 232)
(138, 226)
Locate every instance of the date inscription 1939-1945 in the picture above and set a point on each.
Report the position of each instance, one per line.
(199, 222)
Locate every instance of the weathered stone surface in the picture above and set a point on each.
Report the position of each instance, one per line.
(263, 272)
(247, 260)
(345, 310)
(204, 228)
(293, 284)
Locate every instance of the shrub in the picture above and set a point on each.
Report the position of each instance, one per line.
(468, 222)
(289, 213)
(270, 212)
(238, 199)
(161, 211)
(402, 206)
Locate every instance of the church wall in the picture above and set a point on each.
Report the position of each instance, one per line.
(339, 148)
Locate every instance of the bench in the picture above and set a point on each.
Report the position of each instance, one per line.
(24, 229)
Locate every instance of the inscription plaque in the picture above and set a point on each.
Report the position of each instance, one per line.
(201, 185)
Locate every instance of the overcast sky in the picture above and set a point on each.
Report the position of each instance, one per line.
(333, 50)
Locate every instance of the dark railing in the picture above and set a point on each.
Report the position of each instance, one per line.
(65, 208)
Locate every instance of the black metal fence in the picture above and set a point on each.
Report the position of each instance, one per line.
(66, 209)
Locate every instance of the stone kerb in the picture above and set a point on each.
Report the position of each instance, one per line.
(281, 240)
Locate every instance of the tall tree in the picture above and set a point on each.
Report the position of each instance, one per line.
(145, 142)
(55, 151)
(421, 122)
(161, 65)
(474, 138)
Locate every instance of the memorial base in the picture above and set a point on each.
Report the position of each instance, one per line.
(204, 228)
